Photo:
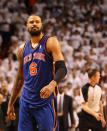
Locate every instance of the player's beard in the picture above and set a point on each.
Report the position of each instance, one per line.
(35, 33)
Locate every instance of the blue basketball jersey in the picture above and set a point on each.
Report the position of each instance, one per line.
(38, 72)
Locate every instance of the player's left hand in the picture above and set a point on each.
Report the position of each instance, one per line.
(103, 122)
(48, 90)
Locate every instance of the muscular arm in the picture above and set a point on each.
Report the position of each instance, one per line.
(19, 78)
(60, 67)
(53, 47)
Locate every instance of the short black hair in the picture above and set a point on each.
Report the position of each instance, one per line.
(92, 72)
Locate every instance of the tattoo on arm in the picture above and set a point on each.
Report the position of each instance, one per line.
(19, 78)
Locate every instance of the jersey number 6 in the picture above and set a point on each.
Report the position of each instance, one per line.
(33, 69)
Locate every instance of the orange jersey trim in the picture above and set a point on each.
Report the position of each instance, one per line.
(55, 116)
(46, 50)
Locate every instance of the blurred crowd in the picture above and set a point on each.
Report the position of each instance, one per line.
(81, 28)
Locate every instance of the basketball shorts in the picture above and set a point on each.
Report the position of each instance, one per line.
(43, 117)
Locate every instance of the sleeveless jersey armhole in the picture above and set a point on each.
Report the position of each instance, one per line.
(24, 46)
(24, 49)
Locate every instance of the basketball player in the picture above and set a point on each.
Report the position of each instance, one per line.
(92, 116)
(35, 71)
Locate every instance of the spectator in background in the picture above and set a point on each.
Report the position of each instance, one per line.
(60, 100)
(4, 91)
(65, 109)
(2, 68)
(29, 4)
(9, 125)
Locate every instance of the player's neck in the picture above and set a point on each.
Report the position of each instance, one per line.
(36, 39)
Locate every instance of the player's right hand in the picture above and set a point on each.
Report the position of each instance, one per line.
(98, 116)
(11, 113)
(46, 91)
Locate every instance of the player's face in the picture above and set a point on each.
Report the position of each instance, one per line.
(34, 25)
(97, 77)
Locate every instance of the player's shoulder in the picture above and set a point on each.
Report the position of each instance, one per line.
(21, 46)
(52, 41)
(52, 38)
(20, 50)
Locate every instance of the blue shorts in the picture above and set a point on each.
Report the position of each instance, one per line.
(45, 117)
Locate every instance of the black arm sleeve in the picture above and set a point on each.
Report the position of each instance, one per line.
(60, 70)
